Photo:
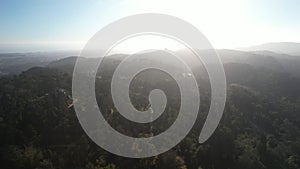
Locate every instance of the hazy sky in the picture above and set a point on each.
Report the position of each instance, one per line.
(39, 25)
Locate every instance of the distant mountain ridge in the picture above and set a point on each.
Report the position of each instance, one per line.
(16, 63)
(290, 48)
(259, 59)
(261, 56)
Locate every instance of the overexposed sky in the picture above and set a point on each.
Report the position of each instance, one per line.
(61, 25)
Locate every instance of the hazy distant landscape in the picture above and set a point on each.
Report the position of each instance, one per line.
(260, 127)
(150, 102)
(278, 57)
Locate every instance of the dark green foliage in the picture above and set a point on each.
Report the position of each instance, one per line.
(259, 129)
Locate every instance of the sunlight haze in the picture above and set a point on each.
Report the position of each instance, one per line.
(68, 25)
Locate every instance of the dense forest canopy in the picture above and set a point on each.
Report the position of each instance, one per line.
(260, 127)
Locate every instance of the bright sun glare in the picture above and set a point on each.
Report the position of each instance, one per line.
(223, 22)
(146, 42)
(226, 24)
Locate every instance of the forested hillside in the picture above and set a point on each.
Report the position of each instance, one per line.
(260, 128)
